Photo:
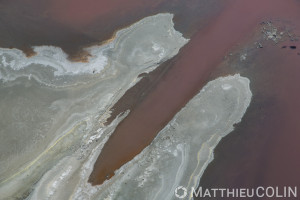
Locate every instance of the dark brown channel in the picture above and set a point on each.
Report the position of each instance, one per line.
(190, 71)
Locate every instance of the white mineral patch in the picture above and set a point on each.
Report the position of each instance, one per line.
(53, 110)
(243, 57)
(225, 87)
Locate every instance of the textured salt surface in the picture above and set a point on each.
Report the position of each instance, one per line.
(177, 156)
(54, 152)
(58, 107)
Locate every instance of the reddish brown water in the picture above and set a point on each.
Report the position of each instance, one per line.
(74, 24)
(70, 25)
(190, 72)
(263, 149)
(80, 13)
